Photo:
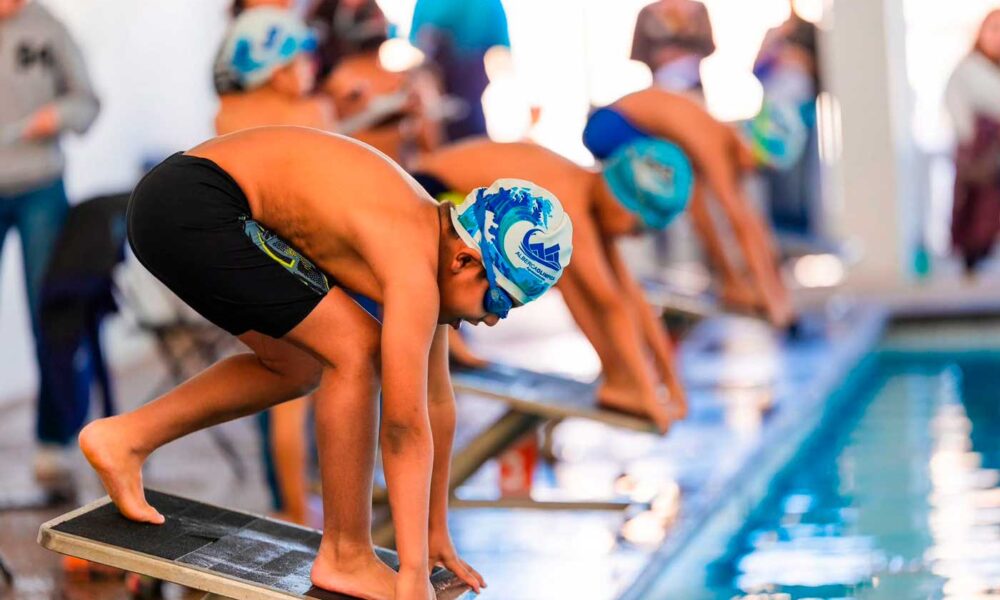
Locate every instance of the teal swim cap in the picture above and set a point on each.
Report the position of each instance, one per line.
(261, 41)
(522, 230)
(652, 178)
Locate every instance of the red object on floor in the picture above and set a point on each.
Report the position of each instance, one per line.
(517, 468)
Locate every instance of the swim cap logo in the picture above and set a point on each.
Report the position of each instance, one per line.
(652, 176)
(547, 257)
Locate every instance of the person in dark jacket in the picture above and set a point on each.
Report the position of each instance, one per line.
(76, 296)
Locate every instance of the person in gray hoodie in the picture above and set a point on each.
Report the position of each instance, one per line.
(44, 92)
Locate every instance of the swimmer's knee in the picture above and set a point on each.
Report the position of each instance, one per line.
(302, 374)
(361, 362)
(357, 355)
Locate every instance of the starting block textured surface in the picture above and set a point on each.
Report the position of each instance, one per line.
(225, 552)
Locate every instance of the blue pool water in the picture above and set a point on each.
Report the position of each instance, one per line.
(896, 497)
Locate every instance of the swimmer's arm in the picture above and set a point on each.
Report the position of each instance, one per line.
(590, 289)
(77, 105)
(441, 407)
(756, 244)
(652, 327)
(409, 323)
(441, 404)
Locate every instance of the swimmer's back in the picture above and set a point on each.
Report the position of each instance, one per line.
(478, 162)
(334, 199)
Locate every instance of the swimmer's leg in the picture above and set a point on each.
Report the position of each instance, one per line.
(237, 386)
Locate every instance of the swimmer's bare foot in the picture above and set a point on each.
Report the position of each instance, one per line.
(119, 465)
(355, 572)
(655, 406)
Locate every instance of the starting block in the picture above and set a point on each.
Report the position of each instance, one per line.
(543, 395)
(674, 301)
(225, 553)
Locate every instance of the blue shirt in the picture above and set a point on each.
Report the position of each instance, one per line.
(473, 25)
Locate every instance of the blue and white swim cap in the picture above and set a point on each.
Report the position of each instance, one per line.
(522, 230)
(261, 41)
(652, 178)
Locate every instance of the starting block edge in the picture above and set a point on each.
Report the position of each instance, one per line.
(191, 576)
(546, 411)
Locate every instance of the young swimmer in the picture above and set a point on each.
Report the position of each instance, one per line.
(223, 225)
(269, 74)
(265, 58)
(606, 301)
(719, 159)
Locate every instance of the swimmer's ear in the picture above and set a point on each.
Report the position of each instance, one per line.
(465, 258)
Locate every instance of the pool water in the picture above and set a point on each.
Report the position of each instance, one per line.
(897, 496)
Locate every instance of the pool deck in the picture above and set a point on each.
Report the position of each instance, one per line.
(602, 520)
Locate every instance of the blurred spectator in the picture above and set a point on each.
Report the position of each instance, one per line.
(266, 63)
(783, 135)
(455, 35)
(395, 112)
(672, 37)
(973, 101)
(346, 28)
(44, 91)
(390, 109)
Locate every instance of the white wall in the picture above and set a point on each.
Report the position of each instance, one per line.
(150, 61)
(863, 53)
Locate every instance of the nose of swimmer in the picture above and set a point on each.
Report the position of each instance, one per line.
(491, 320)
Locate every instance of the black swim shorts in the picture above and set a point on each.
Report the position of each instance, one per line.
(189, 223)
